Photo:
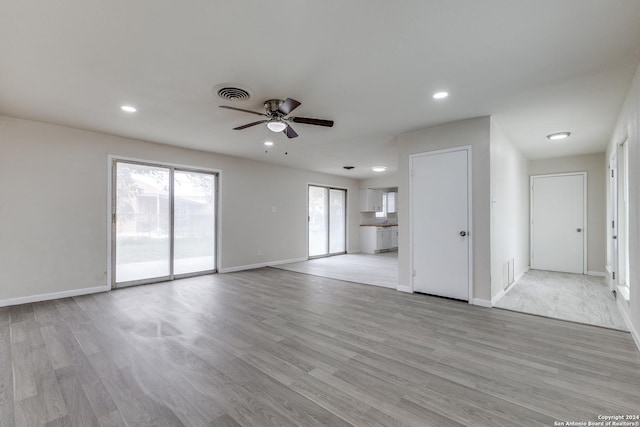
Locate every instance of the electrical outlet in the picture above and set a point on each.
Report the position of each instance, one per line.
(259, 251)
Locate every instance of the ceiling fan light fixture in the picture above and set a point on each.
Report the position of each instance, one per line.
(558, 135)
(276, 126)
(379, 168)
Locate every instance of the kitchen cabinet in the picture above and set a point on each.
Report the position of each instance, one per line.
(394, 237)
(370, 200)
(392, 202)
(374, 240)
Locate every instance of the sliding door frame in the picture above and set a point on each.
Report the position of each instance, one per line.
(111, 219)
(346, 220)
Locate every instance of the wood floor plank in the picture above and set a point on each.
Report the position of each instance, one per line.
(269, 347)
(6, 373)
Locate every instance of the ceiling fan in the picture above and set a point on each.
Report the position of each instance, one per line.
(276, 111)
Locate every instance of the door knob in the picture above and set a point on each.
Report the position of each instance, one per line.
(463, 233)
(579, 230)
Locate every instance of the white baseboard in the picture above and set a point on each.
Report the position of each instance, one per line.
(597, 273)
(260, 265)
(500, 294)
(480, 302)
(503, 292)
(52, 295)
(625, 315)
(405, 289)
(520, 276)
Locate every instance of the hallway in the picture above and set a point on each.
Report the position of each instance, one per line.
(565, 296)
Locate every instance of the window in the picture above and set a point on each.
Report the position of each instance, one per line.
(383, 213)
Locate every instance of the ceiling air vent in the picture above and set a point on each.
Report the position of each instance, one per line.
(232, 92)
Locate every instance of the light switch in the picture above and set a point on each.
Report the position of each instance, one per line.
(273, 209)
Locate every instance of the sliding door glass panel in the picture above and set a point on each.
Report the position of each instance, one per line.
(318, 221)
(194, 222)
(337, 221)
(143, 222)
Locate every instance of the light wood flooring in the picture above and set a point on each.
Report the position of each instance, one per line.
(269, 347)
(369, 269)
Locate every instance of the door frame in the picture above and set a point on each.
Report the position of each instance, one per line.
(111, 210)
(346, 220)
(469, 150)
(585, 226)
(612, 231)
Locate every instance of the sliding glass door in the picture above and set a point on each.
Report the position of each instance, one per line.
(164, 223)
(327, 221)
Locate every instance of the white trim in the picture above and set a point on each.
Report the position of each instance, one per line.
(469, 151)
(407, 289)
(612, 212)
(260, 265)
(499, 295)
(584, 214)
(480, 302)
(503, 292)
(597, 273)
(623, 291)
(520, 276)
(625, 315)
(53, 295)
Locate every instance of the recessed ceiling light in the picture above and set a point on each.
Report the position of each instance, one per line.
(379, 168)
(558, 135)
(268, 143)
(128, 108)
(440, 95)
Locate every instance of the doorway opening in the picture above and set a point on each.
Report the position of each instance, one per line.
(164, 221)
(327, 230)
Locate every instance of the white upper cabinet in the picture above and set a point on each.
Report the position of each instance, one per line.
(392, 202)
(370, 200)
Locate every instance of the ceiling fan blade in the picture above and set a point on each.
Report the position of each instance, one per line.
(290, 132)
(240, 109)
(248, 125)
(288, 106)
(308, 121)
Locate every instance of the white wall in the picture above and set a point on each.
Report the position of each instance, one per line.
(628, 126)
(385, 180)
(53, 212)
(474, 132)
(596, 168)
(509, 208)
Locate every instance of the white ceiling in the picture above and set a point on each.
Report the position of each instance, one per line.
(538, 66)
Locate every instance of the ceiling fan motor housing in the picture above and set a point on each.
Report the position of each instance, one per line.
(271, 106)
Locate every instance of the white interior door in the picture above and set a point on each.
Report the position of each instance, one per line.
(439, 222)
(558, 222)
